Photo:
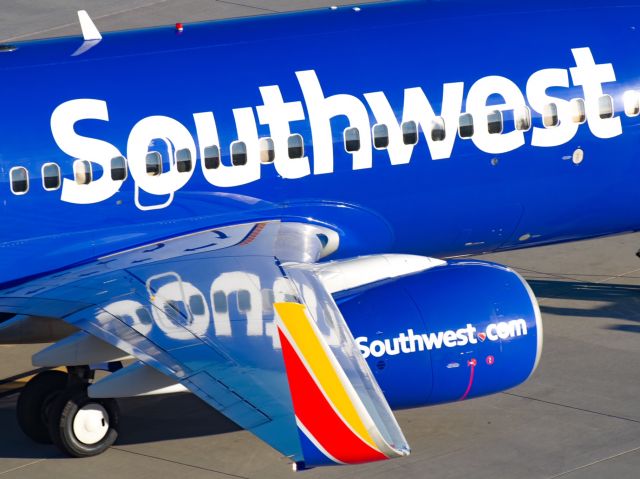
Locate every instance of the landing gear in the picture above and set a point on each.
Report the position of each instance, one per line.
(35, 403)
(80, 426)
(54, 408)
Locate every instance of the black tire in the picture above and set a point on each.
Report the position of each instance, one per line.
(62, 417)
(34, 403)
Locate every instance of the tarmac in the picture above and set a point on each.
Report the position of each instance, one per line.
(577, 417)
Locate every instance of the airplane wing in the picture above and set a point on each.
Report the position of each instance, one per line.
(236, 316)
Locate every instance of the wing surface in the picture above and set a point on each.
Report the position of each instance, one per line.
(231, 315)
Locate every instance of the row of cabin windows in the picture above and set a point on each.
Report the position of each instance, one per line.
(495, 122)
(83, 171)
(83, 174)
(410, 134)
(239, 155)
(52, 178)
(154, 164)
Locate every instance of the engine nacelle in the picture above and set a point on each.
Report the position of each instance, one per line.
(454, 332)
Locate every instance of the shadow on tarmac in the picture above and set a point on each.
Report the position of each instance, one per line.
(602, 300)
(142, 420)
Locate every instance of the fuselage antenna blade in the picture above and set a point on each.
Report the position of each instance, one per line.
(89, 30)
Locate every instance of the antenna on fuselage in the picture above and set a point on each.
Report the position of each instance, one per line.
(90, 33)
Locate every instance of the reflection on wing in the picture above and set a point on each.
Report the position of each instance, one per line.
(200, 310)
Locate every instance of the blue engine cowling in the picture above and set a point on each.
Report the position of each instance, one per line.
(453, 332)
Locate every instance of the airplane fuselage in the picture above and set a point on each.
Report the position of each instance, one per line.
(321, 75)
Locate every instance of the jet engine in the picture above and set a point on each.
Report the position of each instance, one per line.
(457, 331)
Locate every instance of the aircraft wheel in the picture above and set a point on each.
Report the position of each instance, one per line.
(34, 404)
(81, 426)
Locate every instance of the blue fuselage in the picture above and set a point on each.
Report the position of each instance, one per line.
(317, 74)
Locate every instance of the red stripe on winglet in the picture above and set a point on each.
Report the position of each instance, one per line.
(317, 415)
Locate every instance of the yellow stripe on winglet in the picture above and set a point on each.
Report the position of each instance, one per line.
(295, 319)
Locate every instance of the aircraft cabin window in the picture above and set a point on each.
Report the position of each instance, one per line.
(239, 153)
(578, 111)
(605, 106)
(380, 137)
(438, 132)
(220, 304)
(465, 126)
(183, 160)
(410, 133)
(352, 140)
(550, 116)
(495, 124)
(296, 147)
(267, 151)
(196, 305)
(154, 163)
(631, 100)
(118, 168)
(268, 299)
(522, 118)
(82, 172)
(50, 176)
(244, 301)
(212, 157)
(19, 180)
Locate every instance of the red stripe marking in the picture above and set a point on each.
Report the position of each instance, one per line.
(253, 235)
(317, 415)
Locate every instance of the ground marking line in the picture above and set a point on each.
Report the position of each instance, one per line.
(595, 462)
(177, 462)
(573, 407)
(21, 467)
(248, 6)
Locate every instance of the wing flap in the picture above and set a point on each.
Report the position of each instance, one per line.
(137, 379)
(226, 400)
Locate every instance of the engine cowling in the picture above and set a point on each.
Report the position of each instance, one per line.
(454, 332)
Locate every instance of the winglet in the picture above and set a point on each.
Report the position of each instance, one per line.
(335, 424)
(89, 30)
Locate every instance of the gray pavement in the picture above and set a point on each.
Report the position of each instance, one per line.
(26, 20)
(577, 417)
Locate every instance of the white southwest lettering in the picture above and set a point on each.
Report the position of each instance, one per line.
(321, 111)
(537, 87)
(176, 136)
(100, 152)
(417, 108)
(591, 76)
(433, 341)
(279, 114)
(409, 342)
(477, 105)
(229, 176)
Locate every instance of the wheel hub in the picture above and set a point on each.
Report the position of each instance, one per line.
(91, 423)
